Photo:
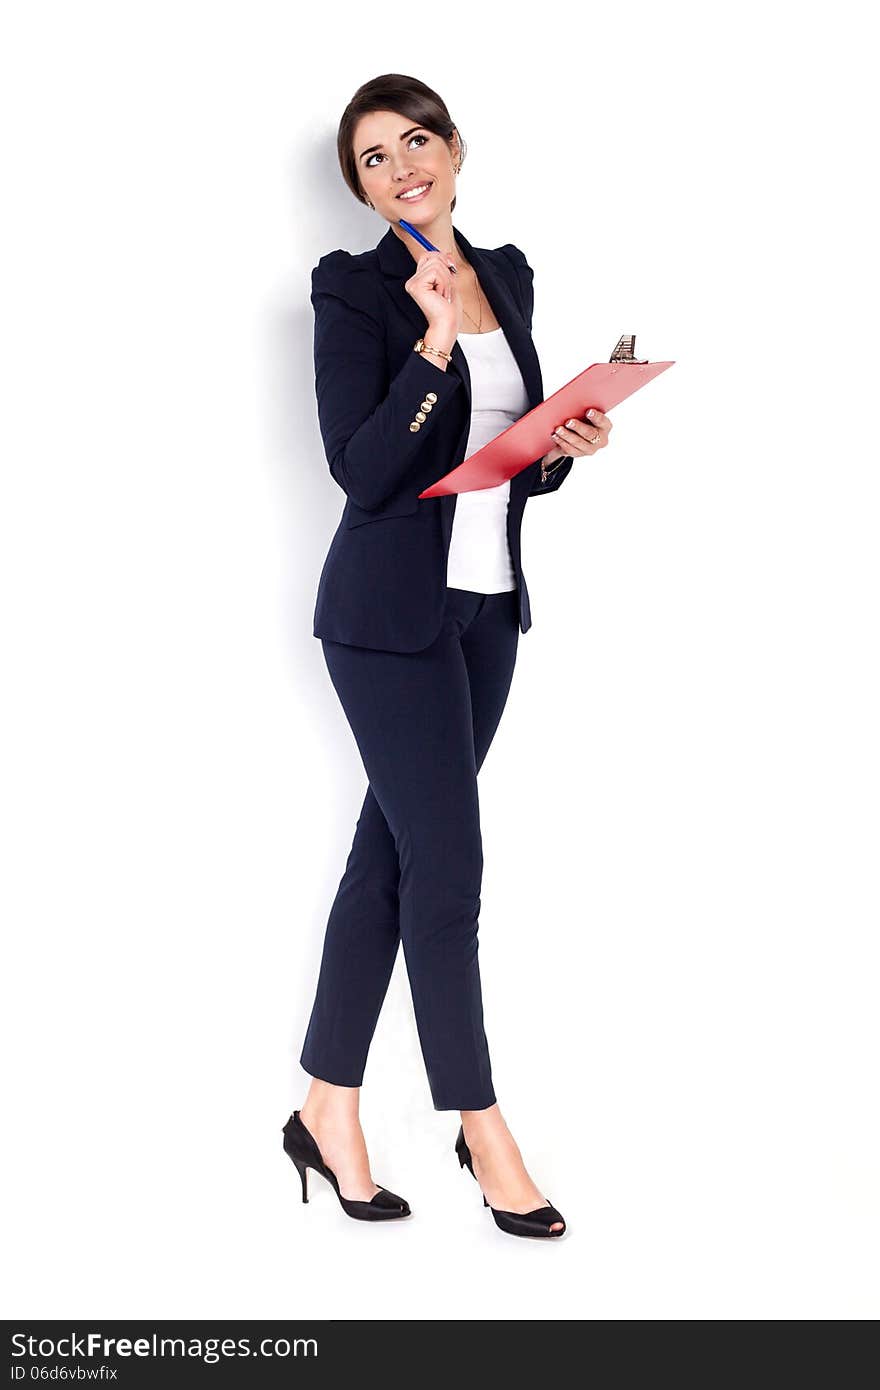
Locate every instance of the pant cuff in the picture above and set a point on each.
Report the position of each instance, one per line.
(466, 1103)
(330, 1074)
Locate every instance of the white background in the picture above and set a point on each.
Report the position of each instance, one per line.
(680, 810)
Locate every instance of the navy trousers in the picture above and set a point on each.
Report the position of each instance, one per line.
(423, 722)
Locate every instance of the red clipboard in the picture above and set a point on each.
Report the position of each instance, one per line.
(601, 386)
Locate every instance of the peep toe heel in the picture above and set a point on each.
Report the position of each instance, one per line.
(303, 1151)
(514, 1223)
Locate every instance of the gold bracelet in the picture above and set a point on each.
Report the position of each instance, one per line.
(421, 346)
(545, 471)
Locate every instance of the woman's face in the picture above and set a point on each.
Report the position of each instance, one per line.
(392, 153)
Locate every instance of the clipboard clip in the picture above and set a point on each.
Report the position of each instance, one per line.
(625, 351)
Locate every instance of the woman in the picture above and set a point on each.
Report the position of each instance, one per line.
(420, 358)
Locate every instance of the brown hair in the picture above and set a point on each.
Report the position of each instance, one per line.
(391, 92)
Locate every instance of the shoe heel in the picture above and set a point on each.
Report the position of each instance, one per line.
(303, 1170)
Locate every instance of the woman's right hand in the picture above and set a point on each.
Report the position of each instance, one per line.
(433, 287)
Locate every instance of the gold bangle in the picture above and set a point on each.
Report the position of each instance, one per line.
(545, 471)
(421, 346)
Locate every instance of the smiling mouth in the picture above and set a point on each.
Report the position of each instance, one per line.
(414, 196)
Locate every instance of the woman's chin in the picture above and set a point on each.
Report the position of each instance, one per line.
(413, 211)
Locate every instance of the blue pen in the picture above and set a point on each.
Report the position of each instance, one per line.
(423, 240)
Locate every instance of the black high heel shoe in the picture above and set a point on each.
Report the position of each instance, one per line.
(301, 1148)
(530, 1223)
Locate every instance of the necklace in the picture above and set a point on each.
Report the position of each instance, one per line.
(479, 326)
(480, 303)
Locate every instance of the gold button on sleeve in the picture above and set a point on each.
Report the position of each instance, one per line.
(421, 416)
(431, 396)
(414, 425)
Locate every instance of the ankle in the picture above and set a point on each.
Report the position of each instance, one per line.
(484, 1129)
(331, 1104)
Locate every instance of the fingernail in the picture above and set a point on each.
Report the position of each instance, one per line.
(569, 424)
(591, 414)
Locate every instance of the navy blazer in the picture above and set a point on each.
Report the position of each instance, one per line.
(392, 423)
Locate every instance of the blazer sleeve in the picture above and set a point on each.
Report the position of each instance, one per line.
(558, 471)
(364, 417)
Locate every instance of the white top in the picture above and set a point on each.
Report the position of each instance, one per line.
(479, 554)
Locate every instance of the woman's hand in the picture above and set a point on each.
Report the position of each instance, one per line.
(432, 286)
(580, 438)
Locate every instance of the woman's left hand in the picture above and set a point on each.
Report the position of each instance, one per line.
(581, 438)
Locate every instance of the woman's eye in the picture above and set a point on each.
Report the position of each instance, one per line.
(423, 138)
